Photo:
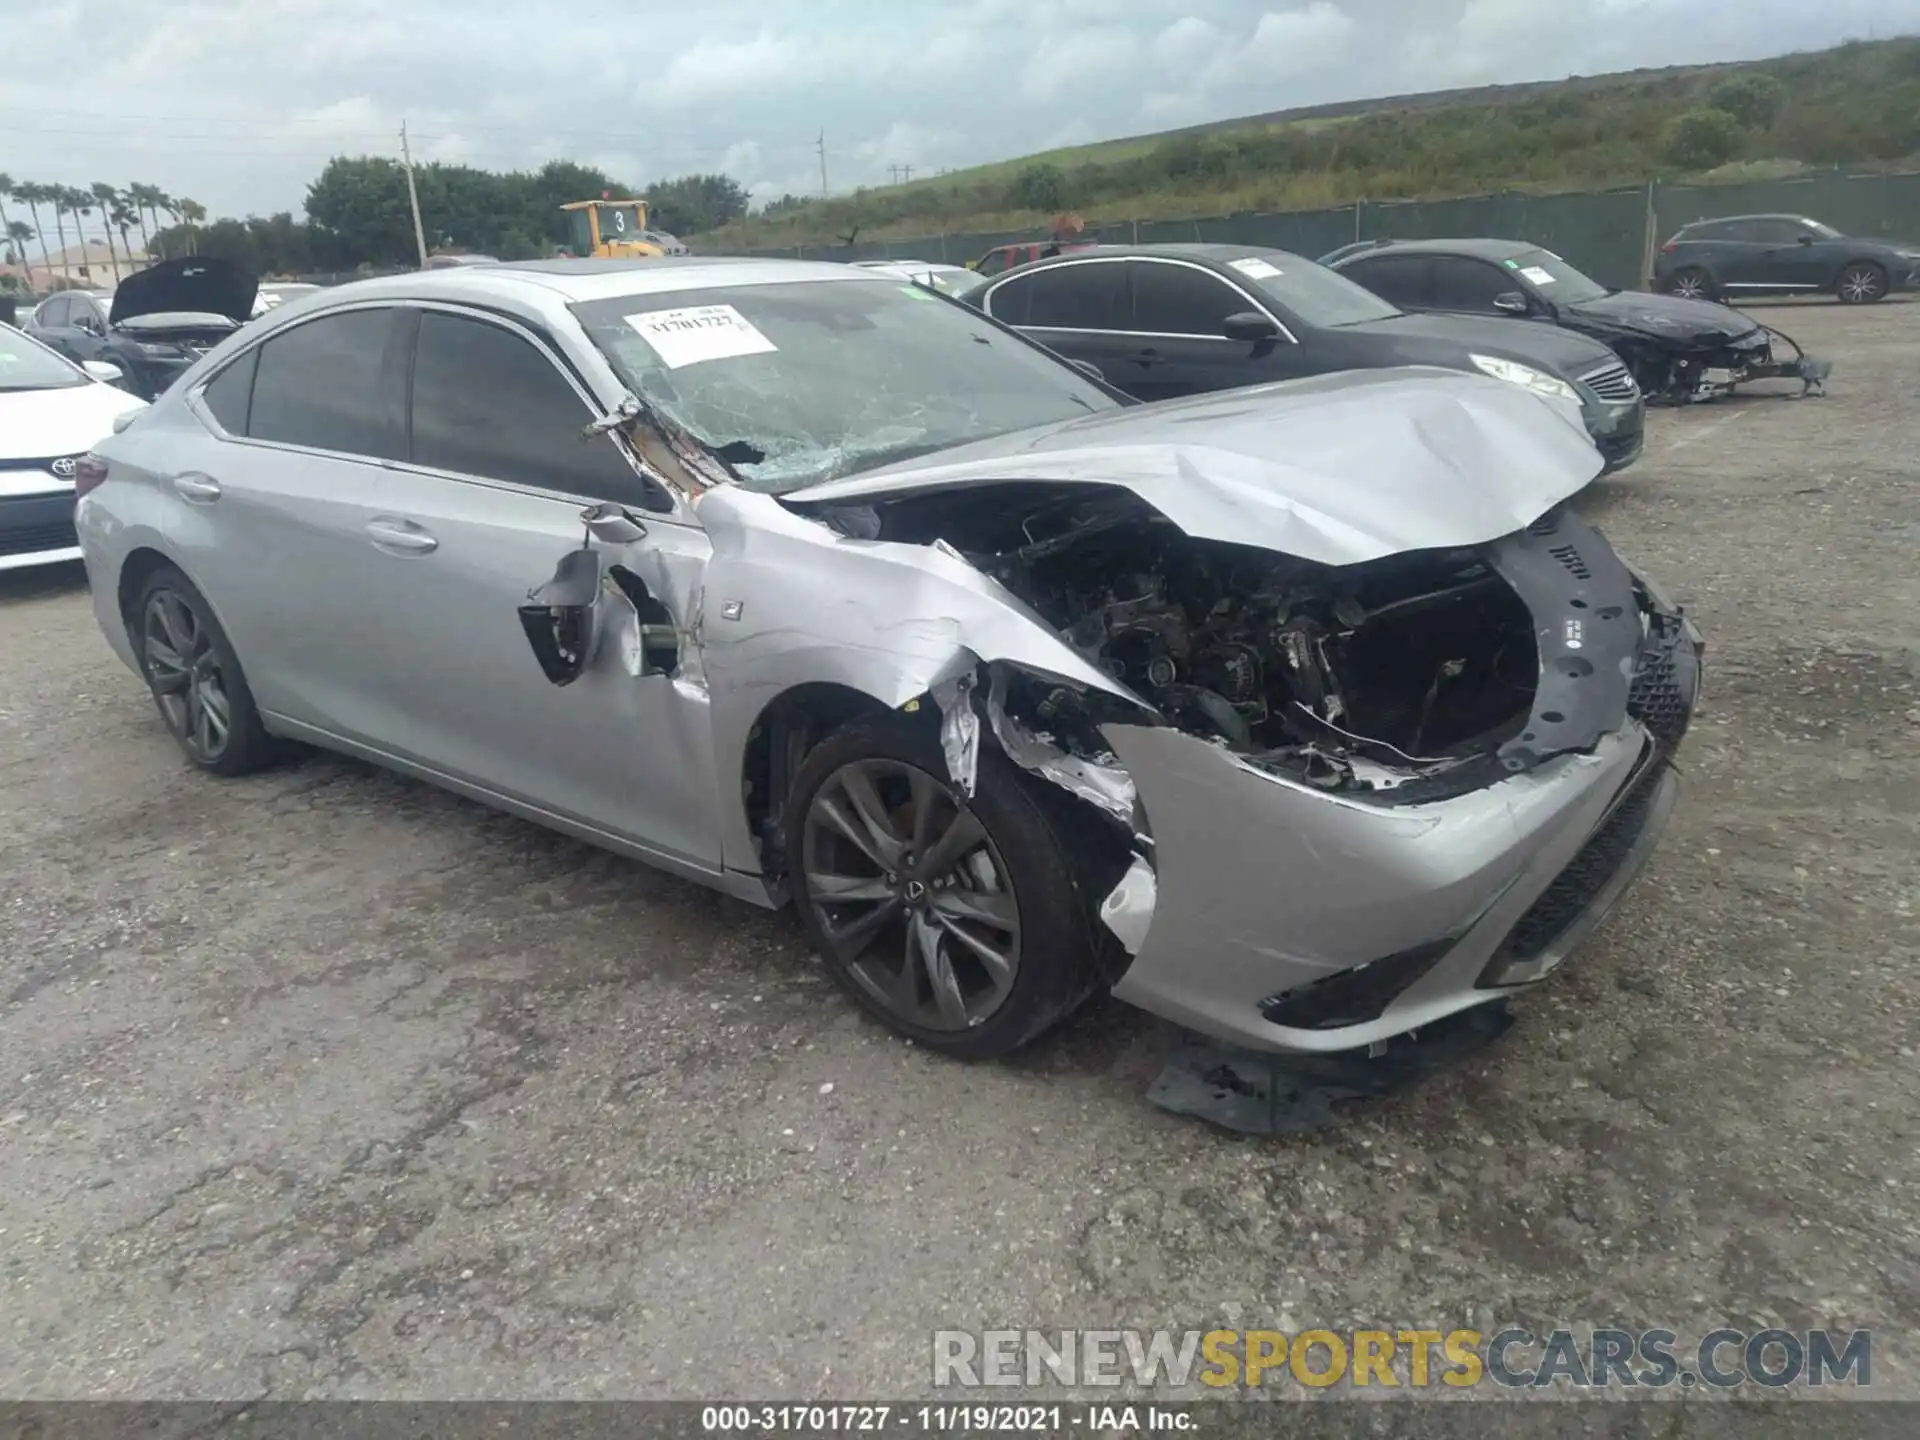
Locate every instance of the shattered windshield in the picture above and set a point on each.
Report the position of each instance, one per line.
(1555, 278)
(797, 384)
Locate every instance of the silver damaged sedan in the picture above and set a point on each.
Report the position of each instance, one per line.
(1302, 715)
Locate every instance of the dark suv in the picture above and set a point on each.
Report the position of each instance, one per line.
(1782, 255)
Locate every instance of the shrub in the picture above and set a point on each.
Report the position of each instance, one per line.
(1038, 187)
(1699, 139)
(1752, 99)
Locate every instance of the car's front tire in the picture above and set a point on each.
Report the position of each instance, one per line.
(1692, 283)
(954, 920)
(195, 677)
(1862, 283)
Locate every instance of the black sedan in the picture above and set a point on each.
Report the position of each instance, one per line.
(155, 324)
(1168, 320)
(1678, 348)
(1782, 255)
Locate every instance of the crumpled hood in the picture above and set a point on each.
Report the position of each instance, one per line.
(1671, 318)
(199, 283)
(1339, 469)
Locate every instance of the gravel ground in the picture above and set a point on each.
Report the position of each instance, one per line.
(324, 1083)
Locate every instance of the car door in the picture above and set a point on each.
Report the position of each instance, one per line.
(52, 324)
(1404, 281)
(1805, 259)
(1178, 344)
(1750, 257)
(487, 503)
(1462, 285)
(89, 326)
(1076, 309)
(268, 520)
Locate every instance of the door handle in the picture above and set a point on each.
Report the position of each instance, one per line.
(1148, 356)
(401, 537)
(201, 489)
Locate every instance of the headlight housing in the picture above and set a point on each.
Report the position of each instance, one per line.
(1514, 373)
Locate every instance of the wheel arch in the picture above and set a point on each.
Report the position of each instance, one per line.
(784, 731)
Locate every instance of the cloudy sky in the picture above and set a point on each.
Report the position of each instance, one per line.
(238, 103)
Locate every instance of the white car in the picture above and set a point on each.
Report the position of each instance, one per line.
(953, 280)
(51, 413)
(274, 294)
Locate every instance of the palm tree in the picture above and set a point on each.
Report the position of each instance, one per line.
(7, 191)
(18, 233)
(147, 201)
(33, 194)
(80, 202)
(57, 196)
(192, 212)
(123, 215)
(106, 197)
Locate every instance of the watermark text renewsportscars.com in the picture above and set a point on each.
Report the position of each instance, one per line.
(1514, 1358)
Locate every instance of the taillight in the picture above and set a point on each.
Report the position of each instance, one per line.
(88, 472)
(1669, 247)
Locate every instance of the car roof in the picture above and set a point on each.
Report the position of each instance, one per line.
(1729, 219)
(1480, 248)
(1208, 253)
(573, 281)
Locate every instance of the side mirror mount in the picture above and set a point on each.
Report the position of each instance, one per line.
(1805, 239)
(1251, 326)
(1512, 303)
(559, 617)
(612, 525)
(104, 371)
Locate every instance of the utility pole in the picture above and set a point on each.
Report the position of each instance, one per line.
(821, 146)
(906, 172)
(413, 196)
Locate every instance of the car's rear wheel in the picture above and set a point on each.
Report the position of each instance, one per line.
(954, 920)
(195, 677)
(1691, 283)
(1862, 284)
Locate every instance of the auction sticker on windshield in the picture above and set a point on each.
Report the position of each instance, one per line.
(1256, 267)
(1537, 275)
(699, 332)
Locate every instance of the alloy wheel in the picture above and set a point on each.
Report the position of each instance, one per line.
(914, 899)
(1690, 287)
(183, 669)
(1861, 285)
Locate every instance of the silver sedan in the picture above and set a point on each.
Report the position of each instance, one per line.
(1303, 715)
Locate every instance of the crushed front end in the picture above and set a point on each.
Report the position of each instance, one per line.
(1382, 794)
(1714, 366)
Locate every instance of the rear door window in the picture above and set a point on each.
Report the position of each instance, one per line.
(229, 395)
(1087, 296)
(330, 384)
(1403, 280)
(488, 403)
(54, 312)
(1172, 299)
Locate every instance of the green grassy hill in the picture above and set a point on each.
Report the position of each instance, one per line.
(1858, 104)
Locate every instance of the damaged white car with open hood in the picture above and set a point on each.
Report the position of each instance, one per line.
(1305, 716)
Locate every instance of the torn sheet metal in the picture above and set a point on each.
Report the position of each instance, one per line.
(959, 731)
(1107, 786)
(1286, 1094)
(1128, 909)
(1340, 469)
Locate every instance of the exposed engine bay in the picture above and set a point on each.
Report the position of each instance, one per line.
(1672, 375)
(1363, 677)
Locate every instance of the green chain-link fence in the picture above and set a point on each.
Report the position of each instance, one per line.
(1609, 233)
